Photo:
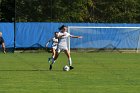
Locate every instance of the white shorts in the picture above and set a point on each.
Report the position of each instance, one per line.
(61, 48)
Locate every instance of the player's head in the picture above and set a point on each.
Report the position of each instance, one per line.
(0, 34)
(63, 28)
(55, 34)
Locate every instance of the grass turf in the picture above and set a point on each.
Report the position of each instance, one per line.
(93, 73)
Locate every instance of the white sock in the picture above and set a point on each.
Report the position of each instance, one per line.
(70, 62)
(52, 56)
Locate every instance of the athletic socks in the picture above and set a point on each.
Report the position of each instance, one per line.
(70, 62)
(49, 60)
(53, 61)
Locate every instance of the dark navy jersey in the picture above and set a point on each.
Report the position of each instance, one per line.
(1, 40)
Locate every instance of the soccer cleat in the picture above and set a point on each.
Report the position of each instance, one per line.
(49, 60)
(71, 67)
(50, 67)
(4, 52)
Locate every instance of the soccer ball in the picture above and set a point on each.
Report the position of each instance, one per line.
(66, 68)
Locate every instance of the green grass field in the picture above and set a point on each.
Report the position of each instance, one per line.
(93, 73)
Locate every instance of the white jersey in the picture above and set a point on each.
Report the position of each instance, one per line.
(54, 42)
(63, 40)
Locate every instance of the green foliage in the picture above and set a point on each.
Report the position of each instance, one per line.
(100, 11)
(7, 10)
(126, 11)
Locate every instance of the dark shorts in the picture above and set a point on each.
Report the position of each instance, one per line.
(1, 40)
(0, 43)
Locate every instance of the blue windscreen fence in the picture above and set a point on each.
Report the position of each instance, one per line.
(116, 36)
(36, 34)
(7, 30)
(32, 34)
(106, 37)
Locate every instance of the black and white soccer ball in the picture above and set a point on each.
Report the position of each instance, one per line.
(66, 68)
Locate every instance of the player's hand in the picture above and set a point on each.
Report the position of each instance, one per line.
(80, 37)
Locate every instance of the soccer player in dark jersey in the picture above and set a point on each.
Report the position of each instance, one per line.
(2, 43)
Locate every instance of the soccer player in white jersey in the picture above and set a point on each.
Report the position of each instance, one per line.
(62, 45)
(54, 41)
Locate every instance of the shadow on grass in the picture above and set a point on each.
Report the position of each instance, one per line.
(12, 70)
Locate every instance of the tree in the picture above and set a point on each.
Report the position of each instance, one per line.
(7, 10)
(97, 11)
(117, 11)
(53, 10)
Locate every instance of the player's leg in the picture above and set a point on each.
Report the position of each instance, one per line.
(3, 46)
(54, 58)
(69, 58)
(53, 54)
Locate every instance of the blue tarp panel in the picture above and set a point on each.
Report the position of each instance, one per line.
(32, 34)
(7, 30)
(106, 38)
(36, 34)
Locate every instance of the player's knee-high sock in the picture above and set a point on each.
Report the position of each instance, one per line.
(70, 61)
(53, 61)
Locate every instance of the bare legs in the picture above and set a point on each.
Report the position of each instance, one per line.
(3, 47)
(68, 56)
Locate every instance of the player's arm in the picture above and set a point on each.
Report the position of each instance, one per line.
(48, 42)
(72, 36)
(59, 35)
